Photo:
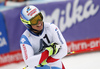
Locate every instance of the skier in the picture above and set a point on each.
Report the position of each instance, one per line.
(42, 43)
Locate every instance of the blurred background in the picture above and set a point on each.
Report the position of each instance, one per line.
(78, 21)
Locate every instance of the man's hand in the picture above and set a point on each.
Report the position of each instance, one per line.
(53, 48)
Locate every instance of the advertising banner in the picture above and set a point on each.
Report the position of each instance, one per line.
(11, 57)
(76, 19)
(86, 45)
(4, 46)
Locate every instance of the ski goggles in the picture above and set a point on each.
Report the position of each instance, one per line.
(34, 20)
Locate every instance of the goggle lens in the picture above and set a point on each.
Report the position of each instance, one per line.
(35, 19)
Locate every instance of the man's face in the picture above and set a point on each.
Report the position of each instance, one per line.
(38, 26)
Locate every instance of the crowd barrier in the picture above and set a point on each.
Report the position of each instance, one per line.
(78, 21)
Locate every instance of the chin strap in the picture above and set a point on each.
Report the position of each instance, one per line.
(35, 31)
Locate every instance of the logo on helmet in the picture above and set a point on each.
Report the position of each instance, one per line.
(28, 9)
(31, 12)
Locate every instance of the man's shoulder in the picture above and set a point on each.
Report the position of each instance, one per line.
(48, 25)
(26, 32)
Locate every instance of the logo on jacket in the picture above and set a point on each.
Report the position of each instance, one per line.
(23, 40)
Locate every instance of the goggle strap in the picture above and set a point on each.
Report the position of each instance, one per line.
(25, 21)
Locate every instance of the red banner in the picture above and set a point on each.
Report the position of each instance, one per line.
(84, 45)
(12, 57)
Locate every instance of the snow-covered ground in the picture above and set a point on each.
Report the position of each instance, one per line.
(80, 61)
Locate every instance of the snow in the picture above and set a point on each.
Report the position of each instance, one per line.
(80, 61)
